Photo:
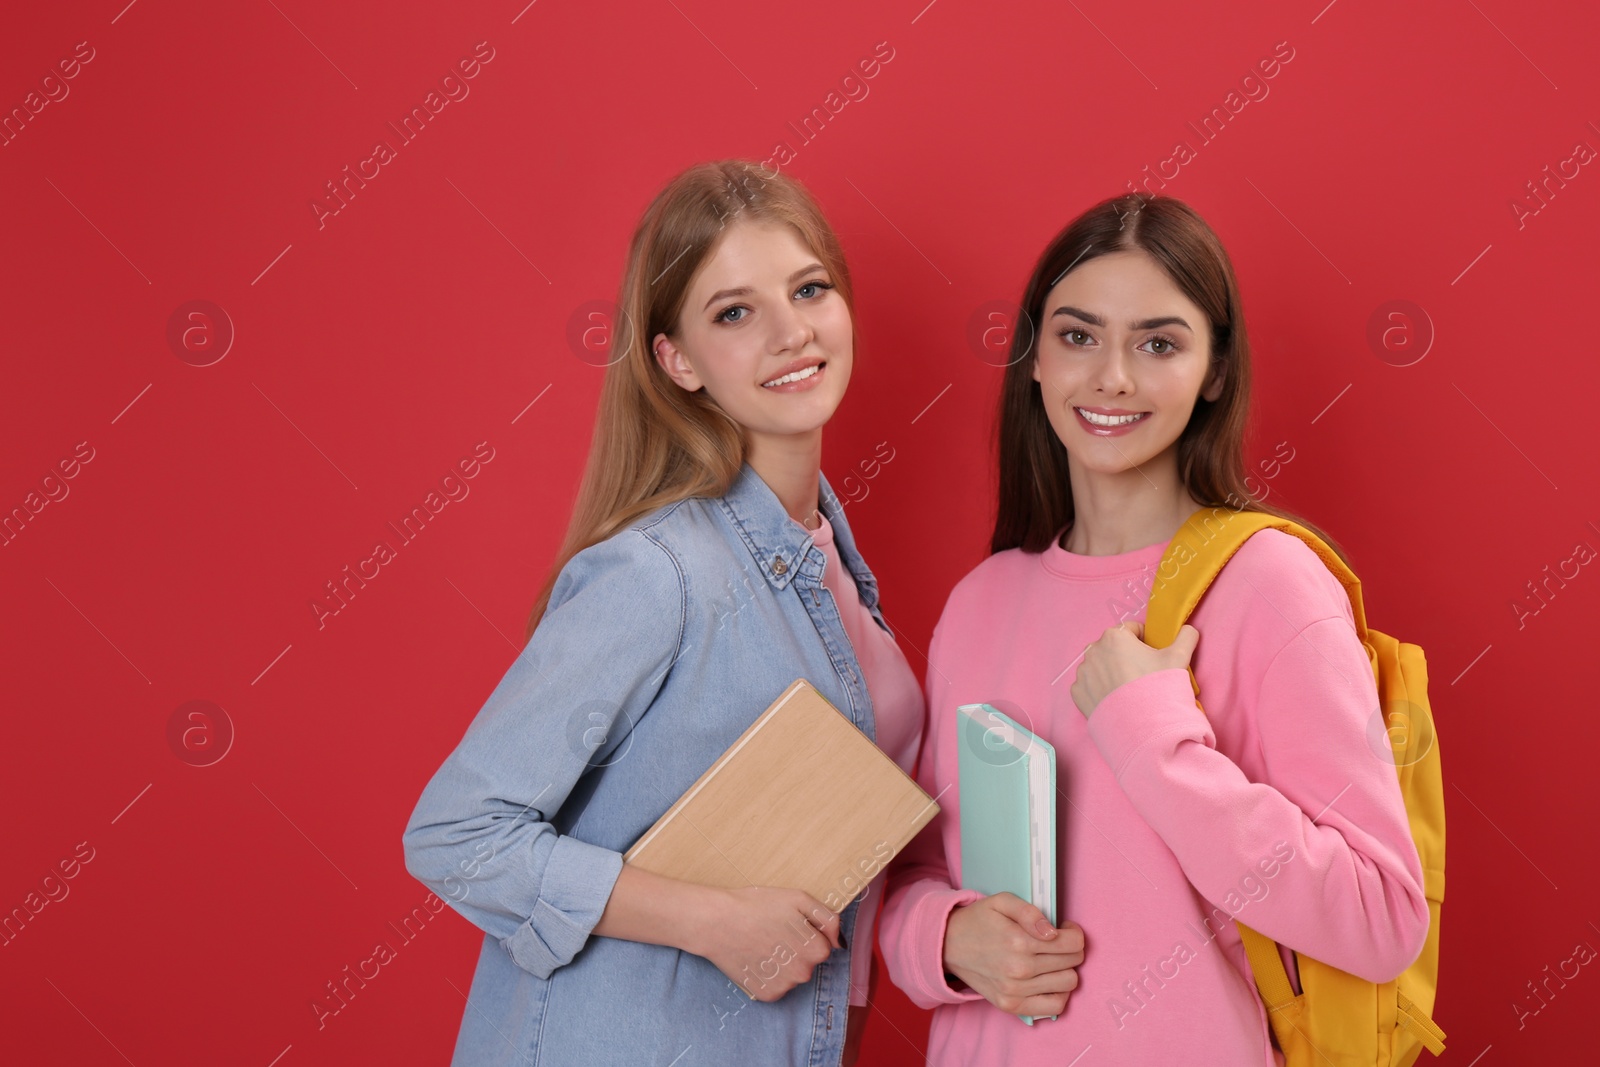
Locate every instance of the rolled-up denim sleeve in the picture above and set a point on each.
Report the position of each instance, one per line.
(481, 836)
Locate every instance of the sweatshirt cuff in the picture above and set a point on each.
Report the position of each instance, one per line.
(577, 883)
(1151, 710)
(928, 914)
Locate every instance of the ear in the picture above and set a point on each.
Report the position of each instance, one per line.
(1035, 359)
(675, 363)
(1215, 381)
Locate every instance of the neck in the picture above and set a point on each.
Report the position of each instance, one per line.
(791, 466)
(1128, 510)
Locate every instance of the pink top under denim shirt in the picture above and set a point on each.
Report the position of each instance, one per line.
(1274, 804)
(897, 708)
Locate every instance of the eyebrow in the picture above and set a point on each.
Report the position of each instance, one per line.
(745, 290)
(1144, 324)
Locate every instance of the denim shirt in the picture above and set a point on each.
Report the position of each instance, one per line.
(660, 646)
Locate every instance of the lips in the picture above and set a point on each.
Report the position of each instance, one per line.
(1112, 424)
(1110, 416)
(797, 366)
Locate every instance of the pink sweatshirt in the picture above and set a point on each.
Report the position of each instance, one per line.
(897, 713)
(1274, 804)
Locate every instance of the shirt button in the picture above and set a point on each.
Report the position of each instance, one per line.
(779, 566)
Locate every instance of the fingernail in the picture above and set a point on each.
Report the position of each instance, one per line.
(1044, 928)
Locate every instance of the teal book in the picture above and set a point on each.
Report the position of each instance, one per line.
(1008, 809)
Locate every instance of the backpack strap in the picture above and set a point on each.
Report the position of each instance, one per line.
(1272, 981)
(1198, 552)
(1196, 555)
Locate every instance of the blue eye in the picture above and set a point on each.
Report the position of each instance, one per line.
(722, 316)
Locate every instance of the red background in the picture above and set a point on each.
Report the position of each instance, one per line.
(375, 351)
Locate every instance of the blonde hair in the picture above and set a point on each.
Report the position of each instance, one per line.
(654, 442)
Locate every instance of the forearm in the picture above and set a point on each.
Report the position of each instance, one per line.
(649, 907)
(1344, 886)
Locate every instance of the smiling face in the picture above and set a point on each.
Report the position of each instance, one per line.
(764, 332)
(1122, 356)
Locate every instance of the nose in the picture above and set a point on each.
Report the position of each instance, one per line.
(791, 328)
(1111, 375)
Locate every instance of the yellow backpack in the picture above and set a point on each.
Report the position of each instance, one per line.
(1338, 1020)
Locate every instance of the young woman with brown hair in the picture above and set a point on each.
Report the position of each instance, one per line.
(1121, 415)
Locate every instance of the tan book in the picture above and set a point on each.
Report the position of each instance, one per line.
(802, 800)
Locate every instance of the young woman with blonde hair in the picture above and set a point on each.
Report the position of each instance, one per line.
(707, 565)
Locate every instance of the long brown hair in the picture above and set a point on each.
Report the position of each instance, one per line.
(1035, 500)
(654, 442)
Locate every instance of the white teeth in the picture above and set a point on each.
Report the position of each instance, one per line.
(798, 375)
(1109, 420)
